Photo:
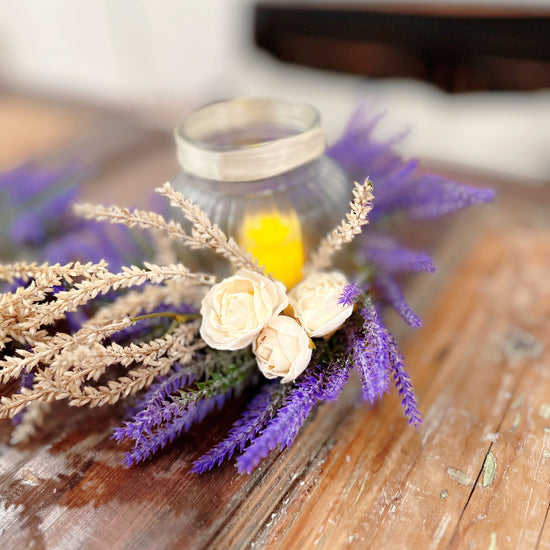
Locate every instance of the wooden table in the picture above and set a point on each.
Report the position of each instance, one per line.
(474, 475)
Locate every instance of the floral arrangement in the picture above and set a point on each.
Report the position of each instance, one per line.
(177, 344)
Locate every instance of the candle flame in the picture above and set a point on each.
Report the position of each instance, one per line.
(274, 238)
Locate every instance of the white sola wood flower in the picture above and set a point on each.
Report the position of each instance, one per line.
(315, 303)
(235, 310)
(282, 349)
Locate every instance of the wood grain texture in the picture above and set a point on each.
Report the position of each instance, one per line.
(474, 475)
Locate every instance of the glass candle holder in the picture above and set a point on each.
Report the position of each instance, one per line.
(257, 167)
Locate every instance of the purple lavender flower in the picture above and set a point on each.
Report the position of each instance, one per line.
(258, 412)
(152, 409)
(403, 383)
(426, 197)
(398, 184)
(386, 254)
(148, 444)
(165, 414)
(92, 241)
(390, 291)
(376, 356)
(27, 182)
(368, 351)
(336, 377)
(35, 210)
(35, 201)
(360, 154)
(36, 221)
(349, 294)
(284, 427)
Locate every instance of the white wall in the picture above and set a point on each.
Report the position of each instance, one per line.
(126, 50)
(121, 49)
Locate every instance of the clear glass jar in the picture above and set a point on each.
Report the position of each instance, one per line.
(256, 167)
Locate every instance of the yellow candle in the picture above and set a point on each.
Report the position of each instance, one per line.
(274, 238)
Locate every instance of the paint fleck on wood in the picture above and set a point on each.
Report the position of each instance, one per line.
(518, 402)
(459, 477)
(489, 469)
(28, 477)
(544, 411)
(522, 344)
(516, 422)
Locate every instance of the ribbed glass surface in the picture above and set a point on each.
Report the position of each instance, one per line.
(313, 196)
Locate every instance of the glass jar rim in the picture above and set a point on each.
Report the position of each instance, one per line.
(251, 161)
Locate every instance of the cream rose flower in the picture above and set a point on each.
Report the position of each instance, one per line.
(315, 303)
(235, 310)
(282, 349)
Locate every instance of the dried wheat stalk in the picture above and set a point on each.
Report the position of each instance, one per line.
(44, 272)
(344, 233)
(205, 234)
(133, 218)
(29, 316)
(33, 418)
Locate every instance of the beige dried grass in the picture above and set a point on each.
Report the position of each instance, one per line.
(345, 232)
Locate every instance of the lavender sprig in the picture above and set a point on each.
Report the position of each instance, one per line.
(92, 241)
(35, 212)
(259, 411)
(148, 444)
(155, 408)
(360, 154)
(391, 292)
(163, 420)
(159, 406)
(403, 383)
(177, 378)
(427, 197)
(387, 360)
(226, 370)
(26, 182)
(399, 185)
(349, 295)
(336, 377)
(32, 225)
(386, 254)
(369, 353)
(284, 427)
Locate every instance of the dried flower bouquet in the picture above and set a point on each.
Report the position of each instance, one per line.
(184, 343)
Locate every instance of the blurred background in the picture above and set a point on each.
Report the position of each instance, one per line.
(474, 92)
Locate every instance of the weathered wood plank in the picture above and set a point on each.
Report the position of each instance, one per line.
(384, 486)
(509, 502)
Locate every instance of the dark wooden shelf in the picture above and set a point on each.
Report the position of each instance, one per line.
(457, 48)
